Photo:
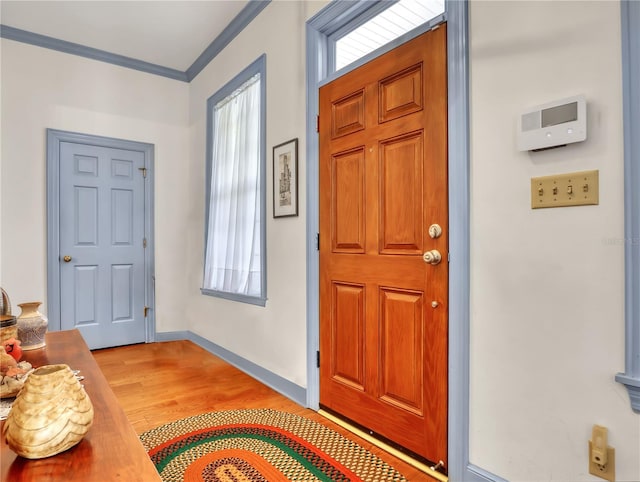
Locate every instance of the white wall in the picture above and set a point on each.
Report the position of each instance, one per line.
(273, 336)
(43, 89)
(547, 285)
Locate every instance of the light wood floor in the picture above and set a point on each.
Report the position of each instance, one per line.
(157, 383)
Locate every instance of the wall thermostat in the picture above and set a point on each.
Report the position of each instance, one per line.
(554, 124)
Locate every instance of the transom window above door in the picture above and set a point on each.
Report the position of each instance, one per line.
(395, 19)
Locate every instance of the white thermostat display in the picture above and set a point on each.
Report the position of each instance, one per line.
(553, 125)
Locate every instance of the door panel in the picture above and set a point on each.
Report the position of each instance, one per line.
(86, 296)
(383, 309)
(85, 207)
(401, 320)
(347, 199)
(122, 217)
(122, 290)
(347, 114)
(401, 93)
(348, 347)
(102, 230)
(401, 209)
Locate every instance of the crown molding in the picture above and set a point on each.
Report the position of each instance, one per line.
(44, 41)
(237, 25)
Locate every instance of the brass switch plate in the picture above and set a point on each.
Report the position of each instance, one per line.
(561, 190)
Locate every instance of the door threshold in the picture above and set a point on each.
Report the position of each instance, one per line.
(384, 446)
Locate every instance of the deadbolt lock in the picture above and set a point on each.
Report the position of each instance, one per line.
(435, 231)
(432, 257)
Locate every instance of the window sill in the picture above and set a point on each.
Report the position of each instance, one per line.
(252, 300)
(633, 387)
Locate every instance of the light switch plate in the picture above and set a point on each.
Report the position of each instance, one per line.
(562, 190)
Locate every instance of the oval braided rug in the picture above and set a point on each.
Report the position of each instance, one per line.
(260, 445)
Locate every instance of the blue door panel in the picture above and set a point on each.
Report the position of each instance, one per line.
(122, 208)
(85, 205)
(102, 230)
(85, 293)
(122, 292)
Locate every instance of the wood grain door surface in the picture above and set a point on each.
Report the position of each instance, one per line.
(383, 183)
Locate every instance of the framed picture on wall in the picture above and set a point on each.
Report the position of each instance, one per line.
(285, 179)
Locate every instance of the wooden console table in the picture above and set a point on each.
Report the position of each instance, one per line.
(110, 451)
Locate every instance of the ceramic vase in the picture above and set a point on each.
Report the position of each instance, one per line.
(51, 414)
(32, 326)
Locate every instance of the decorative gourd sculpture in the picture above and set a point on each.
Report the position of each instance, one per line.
(51, 414)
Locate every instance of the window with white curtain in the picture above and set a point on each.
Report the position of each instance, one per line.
(234, 262)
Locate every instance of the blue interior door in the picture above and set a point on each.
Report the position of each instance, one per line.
(102, 284)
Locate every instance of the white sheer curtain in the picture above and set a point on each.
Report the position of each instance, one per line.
(232, 260)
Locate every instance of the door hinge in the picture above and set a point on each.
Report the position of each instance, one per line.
(318, 358)
(144, 242)
(146, 311)
(317, 123)
(144, 171)
(317, 241)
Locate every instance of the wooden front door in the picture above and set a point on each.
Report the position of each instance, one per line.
(383, 185)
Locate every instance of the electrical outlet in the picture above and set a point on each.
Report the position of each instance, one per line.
(561, 190)
(608, 471)
(599, 444)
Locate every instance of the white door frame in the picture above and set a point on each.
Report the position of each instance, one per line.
(54, 138)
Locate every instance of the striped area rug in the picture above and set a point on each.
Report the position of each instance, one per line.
(259, 446)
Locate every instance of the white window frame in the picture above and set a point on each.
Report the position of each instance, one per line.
(256, 67)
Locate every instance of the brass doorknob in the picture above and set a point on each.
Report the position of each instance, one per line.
(432, 257)
(67, 258)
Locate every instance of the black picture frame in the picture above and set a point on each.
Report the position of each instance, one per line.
(285, 179)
